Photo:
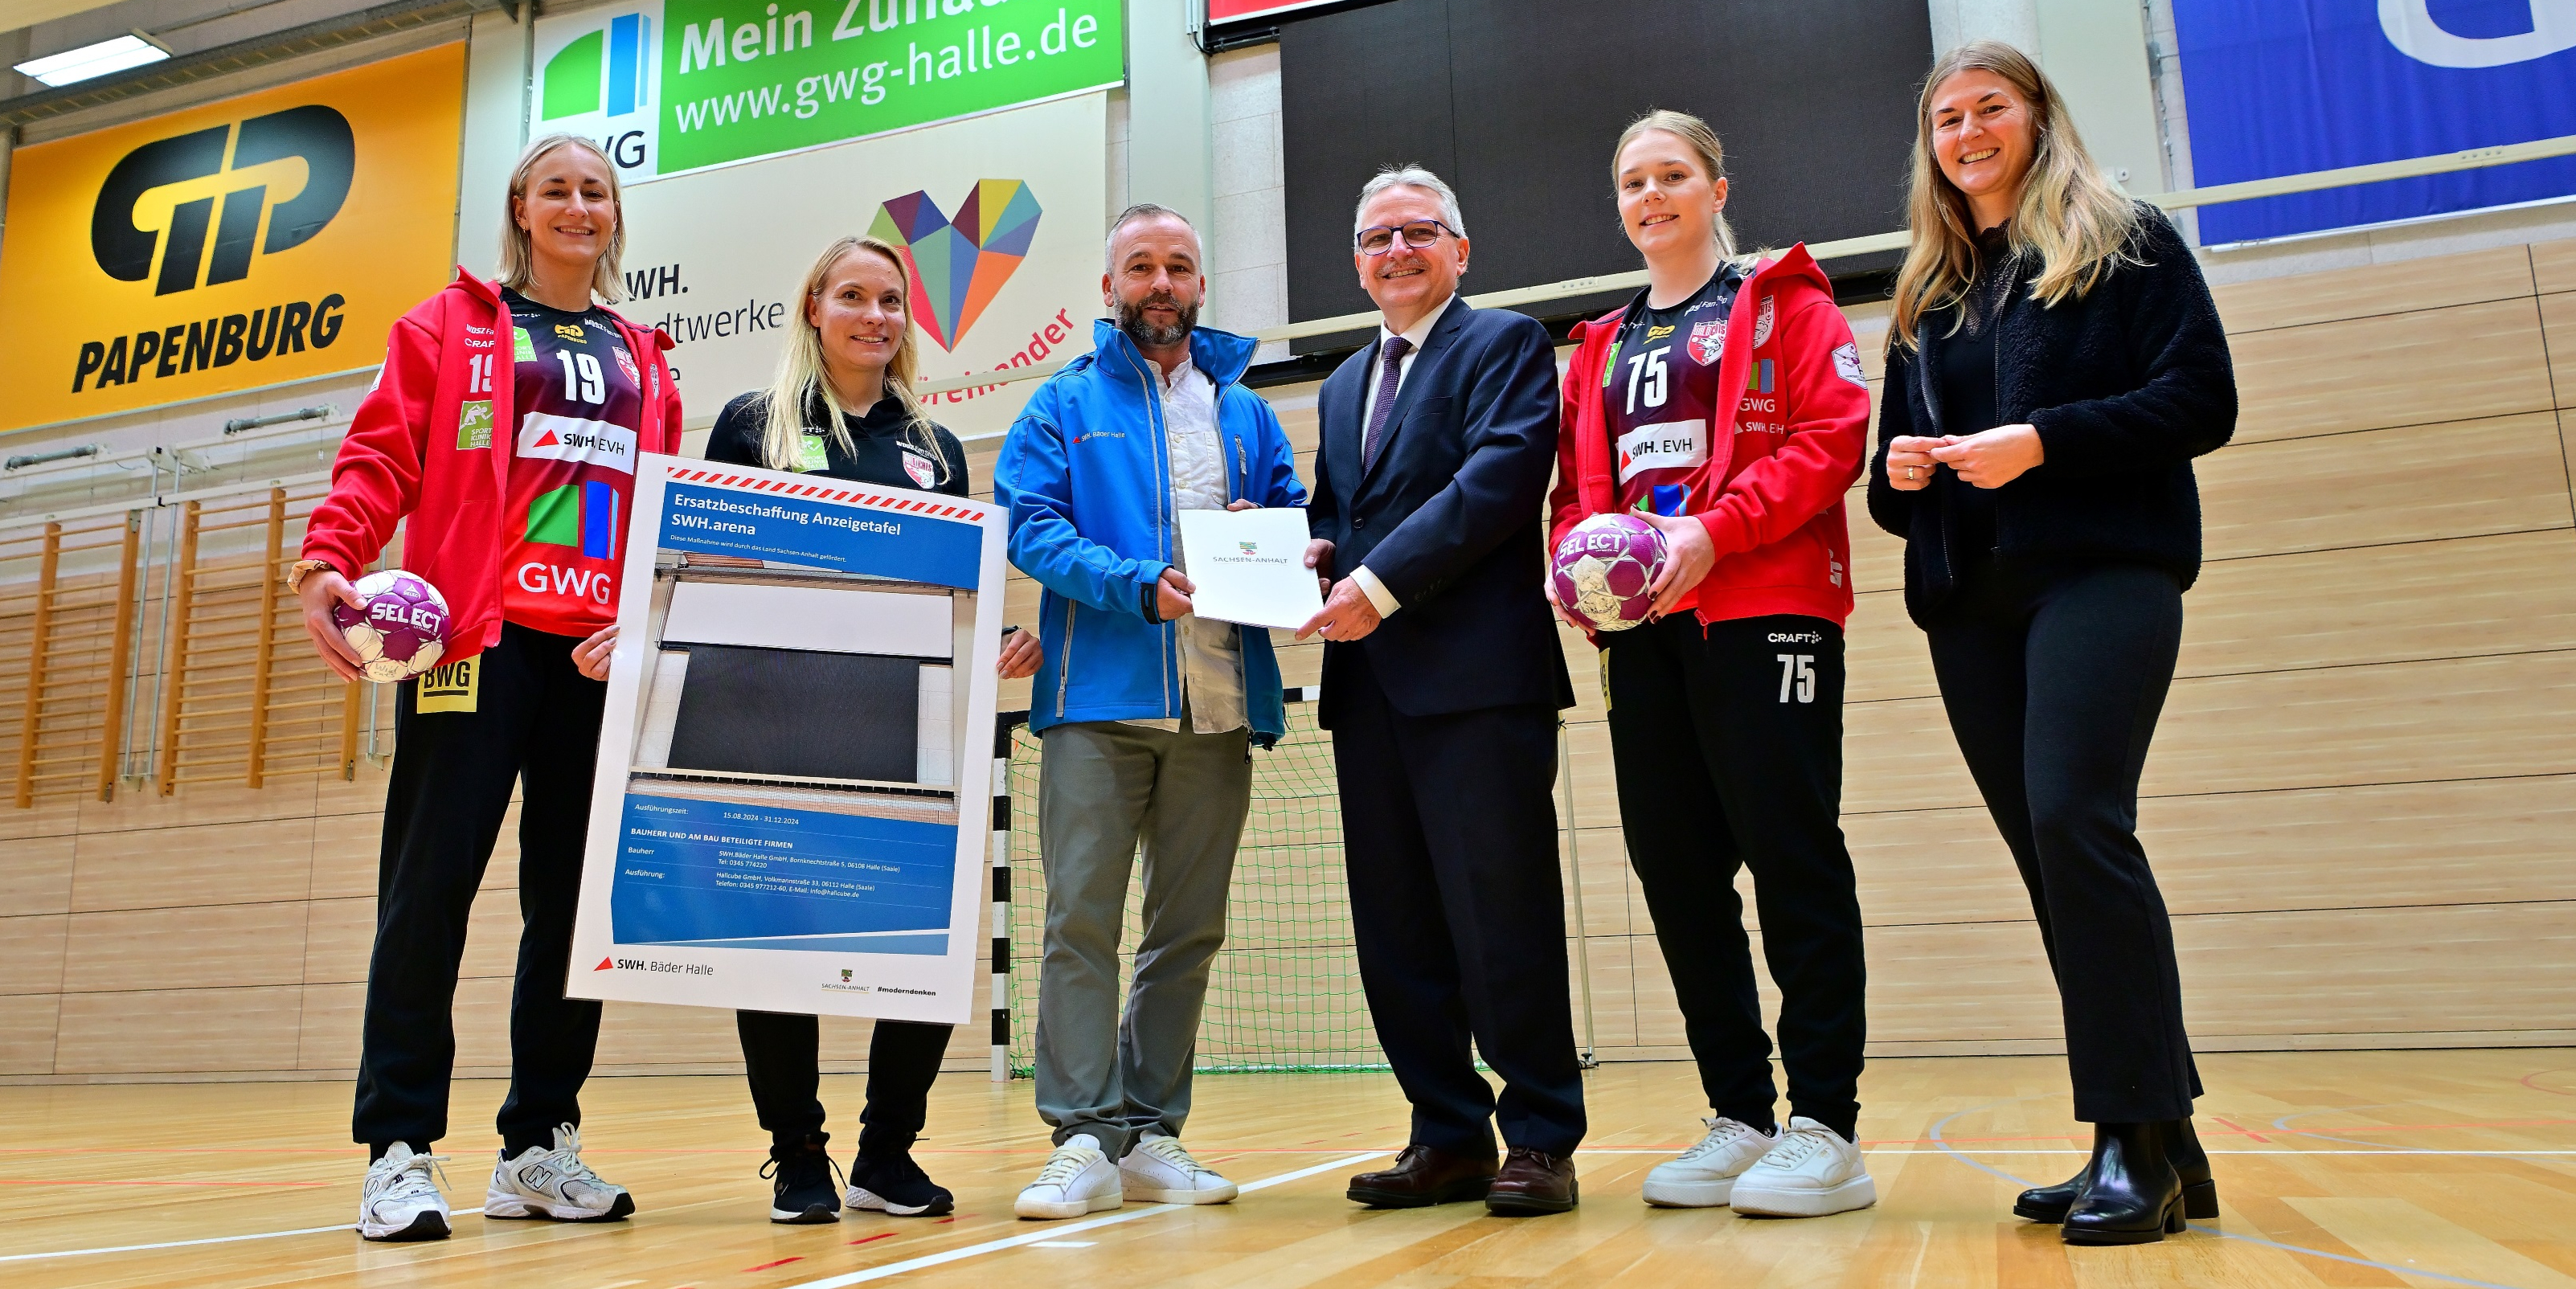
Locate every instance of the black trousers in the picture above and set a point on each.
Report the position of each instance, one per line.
(781, 1054)
(1728, 744)
(1449, 833)
(534, 721)
(2053, 677)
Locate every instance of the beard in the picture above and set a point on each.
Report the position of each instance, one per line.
(1131, 319)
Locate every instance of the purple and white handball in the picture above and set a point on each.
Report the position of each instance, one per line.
(1603, 567)
(401, 630)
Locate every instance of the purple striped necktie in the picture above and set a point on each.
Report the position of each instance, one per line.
(1390, 372)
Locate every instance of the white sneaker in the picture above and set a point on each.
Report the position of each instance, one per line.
(554, 1184)
(1158, 1171)
(1704, 1175)
(401, 1201)
(1078, 1178)
(1812, 1172)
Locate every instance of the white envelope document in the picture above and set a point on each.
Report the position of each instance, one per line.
(1250, 566)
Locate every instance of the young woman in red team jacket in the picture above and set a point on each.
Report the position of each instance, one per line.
(505, 427)
(1726, 406)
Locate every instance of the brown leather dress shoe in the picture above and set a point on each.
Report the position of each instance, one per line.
(1533, 1182)
(1423, 1176)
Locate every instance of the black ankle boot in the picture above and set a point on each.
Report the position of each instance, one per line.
(2049, 1203)
(2190, 1163)
(2134, 1197)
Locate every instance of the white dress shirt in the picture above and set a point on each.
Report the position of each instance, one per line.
(1414, 335)
(1211, 656)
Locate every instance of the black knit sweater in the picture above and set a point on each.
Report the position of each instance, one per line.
(2125, 386)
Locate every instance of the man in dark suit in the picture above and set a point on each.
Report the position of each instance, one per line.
(1442, 680)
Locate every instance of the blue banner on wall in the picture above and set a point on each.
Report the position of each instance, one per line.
(845, 539)
(741, 877)
(2284, 87)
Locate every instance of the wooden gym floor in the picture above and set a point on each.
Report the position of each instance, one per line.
(2334, 1168)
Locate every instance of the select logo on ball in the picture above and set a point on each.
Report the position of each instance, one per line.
(1603, 567)
(399, 627)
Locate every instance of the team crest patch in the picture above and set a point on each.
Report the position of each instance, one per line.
(1762, 324)
(1707, 342)
(1847, 364)
(923, 472)
(626, 363)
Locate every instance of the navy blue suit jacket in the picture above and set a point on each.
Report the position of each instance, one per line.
(1452, 519)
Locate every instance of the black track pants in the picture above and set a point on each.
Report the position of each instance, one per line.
(533, 721)
(2053, 678)
(781, 1052)
(1728, 744)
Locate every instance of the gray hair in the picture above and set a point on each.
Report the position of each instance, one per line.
(1410, 176)
(1144, 210)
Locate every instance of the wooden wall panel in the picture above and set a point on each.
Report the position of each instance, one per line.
(2416, 483)
(2357, 803)
(2370, 373)
(2374, 290)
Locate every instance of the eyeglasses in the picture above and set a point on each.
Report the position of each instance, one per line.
(1379, 239)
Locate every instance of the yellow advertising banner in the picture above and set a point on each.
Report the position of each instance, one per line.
(260, 239)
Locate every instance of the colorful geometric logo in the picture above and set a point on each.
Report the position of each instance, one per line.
(581, 515)
(958, 265)
(624, 52)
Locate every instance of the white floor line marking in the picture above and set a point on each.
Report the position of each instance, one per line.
(212, 1239)
(1055, 1233)
(1064, 1244)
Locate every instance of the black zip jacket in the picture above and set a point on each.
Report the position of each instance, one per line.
(2125, 386)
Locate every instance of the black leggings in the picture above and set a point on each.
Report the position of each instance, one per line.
(528, 719)
(1728, 744)
(782, 1054)
(2053, 677)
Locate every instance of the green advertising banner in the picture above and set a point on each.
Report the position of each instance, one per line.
(669, 86)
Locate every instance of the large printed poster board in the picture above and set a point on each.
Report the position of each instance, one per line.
(794, 790)
(260, 239)
(672, 86)
(999, 219)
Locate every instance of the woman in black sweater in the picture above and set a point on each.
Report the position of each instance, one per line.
(847, 374)
(2055, 364)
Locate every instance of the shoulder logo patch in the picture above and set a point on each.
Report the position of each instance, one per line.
(1762, 324)
(1847, 364)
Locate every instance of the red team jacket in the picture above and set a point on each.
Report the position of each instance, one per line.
(410, 453)
(1776, 475)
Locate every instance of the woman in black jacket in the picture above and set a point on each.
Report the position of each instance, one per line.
(842, 406)
(2055, 364)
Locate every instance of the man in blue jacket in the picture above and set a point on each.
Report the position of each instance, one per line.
(1146, 711)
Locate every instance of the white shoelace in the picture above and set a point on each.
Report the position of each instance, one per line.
(1795, 1148)
(1168, 1149)
(565, 1158)
(1067, 1161)
(1722, 1132)
(412, 1178)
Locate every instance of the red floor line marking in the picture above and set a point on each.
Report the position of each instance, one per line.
(30, 1181)
(2526, 1081)
(767, 1265)
(2245, 1131)
(870, 1239)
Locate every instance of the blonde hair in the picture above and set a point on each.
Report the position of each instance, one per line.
(2072, 217)
(1702, 140)
(800, 380)
(518, 260)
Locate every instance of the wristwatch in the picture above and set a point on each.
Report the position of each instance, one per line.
(296, 571)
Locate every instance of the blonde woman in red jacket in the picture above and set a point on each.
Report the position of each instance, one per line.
(505, 426)
(1726, 406)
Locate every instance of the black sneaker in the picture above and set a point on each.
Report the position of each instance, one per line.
(895, 1185)
(807, 1192)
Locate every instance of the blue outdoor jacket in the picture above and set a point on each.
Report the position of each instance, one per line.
(1087, 479)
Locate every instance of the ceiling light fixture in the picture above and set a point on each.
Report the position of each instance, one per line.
(133, 49)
